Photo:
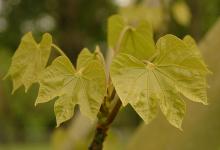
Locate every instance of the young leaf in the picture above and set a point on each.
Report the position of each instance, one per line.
(29, 60)
(85, 86)
(183, 63)
(116, 24)
(177, 69)
(86, 56)
(137, 41)
(144, 11)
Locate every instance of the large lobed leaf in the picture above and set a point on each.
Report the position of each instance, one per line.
(29, 60)
(85, 85)
(161, 78)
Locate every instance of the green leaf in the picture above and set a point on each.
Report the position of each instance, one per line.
(116, 25)
(135, 85)
(85, 85)
(177, 69)
(182, 62)
(136, 40)
(144, 11)
(173, 107)
(29, 60)
(86, 56)
(64, 109)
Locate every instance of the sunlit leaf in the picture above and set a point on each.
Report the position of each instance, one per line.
(86, 56)
(29, 60)
(85, 85)
(136, 40)
(115, 26)
(182, 62)
(177, 69)
(173, 107)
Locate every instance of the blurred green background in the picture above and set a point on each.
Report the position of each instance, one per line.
(75, 24)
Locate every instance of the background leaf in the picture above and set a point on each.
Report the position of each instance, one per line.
(137, 40)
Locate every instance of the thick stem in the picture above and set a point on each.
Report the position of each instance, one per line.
(106, 118)
(114, 111)
(99, 138)
(103, 126)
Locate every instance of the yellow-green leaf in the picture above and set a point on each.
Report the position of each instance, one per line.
(144, 11)
(86, 56)
(116, 25)
(85, 86)
(64, 109)
(29, 60)
(136, 40)
(182, 62)
(177, 69)
(173, 107)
